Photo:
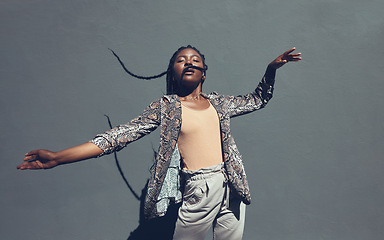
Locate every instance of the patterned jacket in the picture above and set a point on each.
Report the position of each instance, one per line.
(166, 113)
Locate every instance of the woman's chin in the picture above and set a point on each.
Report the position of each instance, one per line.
(190, 83)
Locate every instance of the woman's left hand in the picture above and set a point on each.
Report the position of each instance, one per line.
(288, 56)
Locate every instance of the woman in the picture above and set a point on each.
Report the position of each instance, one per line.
(198, 162)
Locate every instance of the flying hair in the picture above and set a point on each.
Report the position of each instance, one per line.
(171, 85)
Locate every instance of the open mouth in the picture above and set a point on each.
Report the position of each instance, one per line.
(190, 70)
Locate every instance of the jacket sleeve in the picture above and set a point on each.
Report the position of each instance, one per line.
(242, 104)
(117, 138)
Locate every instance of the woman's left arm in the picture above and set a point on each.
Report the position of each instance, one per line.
(263, 93)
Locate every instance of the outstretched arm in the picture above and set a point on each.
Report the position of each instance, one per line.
(108, 142)
(263, 93)
(44, 159)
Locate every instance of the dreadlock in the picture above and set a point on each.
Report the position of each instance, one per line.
(171, 85)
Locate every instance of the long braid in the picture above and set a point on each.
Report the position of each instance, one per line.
(171, 84)
(134, 75)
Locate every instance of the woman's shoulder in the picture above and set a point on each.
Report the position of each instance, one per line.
(211, 95)
(216, 96)
(172, 98)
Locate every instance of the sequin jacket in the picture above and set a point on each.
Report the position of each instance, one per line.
(165, 113)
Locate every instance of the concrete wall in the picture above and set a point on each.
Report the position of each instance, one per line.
(314, 155)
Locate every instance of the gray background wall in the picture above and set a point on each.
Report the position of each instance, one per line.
(313, 156)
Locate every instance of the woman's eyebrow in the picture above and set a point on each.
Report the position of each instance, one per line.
(186, 56)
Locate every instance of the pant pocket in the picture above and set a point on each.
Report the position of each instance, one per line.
(194, 193)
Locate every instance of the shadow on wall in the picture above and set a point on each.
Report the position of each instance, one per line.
(161, 228)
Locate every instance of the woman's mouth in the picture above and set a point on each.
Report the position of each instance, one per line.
(189, 71)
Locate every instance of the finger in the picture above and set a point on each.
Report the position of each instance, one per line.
(30, 158)
(20, 166)
(33, 152)
(39, 164)
(291, 58)
(294, 57)
(289, 51)
(32, 155)
(23, 166)
(295, 60)
(32, 165)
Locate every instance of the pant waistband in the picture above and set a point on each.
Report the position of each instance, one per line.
(203, 173)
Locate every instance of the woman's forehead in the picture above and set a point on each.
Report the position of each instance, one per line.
(188, 52)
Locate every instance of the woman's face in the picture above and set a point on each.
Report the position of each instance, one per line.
(192, 77)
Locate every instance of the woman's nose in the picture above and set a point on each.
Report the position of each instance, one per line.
(187, 63)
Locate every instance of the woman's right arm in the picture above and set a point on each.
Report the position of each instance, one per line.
(45, 159)
(105, 143)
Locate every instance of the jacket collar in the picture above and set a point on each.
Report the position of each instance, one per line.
(174, 98)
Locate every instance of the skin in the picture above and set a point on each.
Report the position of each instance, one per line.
(190, 88)
(191, 84)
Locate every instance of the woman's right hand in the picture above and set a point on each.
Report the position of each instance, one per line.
(38, 159)
(44, 159)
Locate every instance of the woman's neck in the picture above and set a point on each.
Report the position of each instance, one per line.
(193, 99)
(186, 93)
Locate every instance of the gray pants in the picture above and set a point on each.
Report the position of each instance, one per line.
(206, 203)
